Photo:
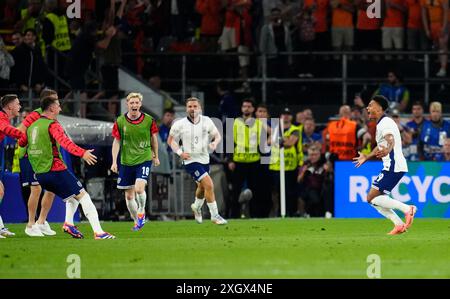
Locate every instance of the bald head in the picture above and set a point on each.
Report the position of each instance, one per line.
(345, 111)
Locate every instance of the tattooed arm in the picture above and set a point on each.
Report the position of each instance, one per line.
(379, 151)
(384, 151)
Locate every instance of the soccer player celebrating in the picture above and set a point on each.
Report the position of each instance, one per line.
(10, 109)
(52, 174)
(40, 227)
(196, 132)
(389, 149)
(135, 136)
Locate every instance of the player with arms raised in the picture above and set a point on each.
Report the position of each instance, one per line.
(42, 138)
(40, 227)
(135, 136)
(196, 133)
(389, 149)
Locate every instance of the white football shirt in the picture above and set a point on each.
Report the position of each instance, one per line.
(195, 138)
(395, 161)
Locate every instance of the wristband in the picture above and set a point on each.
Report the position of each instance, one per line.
(179, 152)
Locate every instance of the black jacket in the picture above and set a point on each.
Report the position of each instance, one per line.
(30, 68)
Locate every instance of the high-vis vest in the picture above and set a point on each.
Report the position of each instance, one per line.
(290, 154)
(40, 146)
(135, 145)
(300, 154)
(32, 23)
(61, 42)
(246, 140)
(367, 149)
(16, 164)
(342, 134)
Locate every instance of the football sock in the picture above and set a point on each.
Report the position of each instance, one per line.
(90, 211)
(132, 207)
(71, 209)
(213, 210)
(141, 198)
(385, 201)
(1, 223)
(389, 214)
(199, 202)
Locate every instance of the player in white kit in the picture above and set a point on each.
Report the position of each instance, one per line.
(389, 149)
(198, 135)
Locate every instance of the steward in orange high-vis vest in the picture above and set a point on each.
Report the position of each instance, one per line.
(343, 135)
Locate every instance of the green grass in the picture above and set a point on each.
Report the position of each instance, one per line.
(272, 248)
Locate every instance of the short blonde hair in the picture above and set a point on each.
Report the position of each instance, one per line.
(134, 95)
(436, 106)
(193, 99)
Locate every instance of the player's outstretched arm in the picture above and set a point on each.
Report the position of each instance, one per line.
(57, 132)
(115, 152)
(31, 118)
(10, 131)
(154, 143)
(22, 128)
(23, 141)
(89, 157)
(176, 148)
(382, 151)
(216, 140)
(360, 160)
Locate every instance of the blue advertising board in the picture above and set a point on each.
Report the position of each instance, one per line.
(426, 185)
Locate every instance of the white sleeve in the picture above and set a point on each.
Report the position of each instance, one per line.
(387, 127)
(174, 130)
(212, 127)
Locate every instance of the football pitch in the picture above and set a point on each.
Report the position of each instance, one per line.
(270, 248)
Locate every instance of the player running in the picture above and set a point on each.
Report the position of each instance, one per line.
(40, 227)
(135, 136)
(196, 132)
(10, 109)
(389, 149)
(51, 172)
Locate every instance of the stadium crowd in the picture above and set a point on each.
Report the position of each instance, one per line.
(107, 29)
(39, 41)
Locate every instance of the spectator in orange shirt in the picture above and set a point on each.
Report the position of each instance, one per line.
(435, 18)
(342, 36)
(212, 17)
(237, 36)
(415, 35)
(320, 10)
(393, 25)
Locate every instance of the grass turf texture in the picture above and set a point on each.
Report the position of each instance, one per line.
(271, 248)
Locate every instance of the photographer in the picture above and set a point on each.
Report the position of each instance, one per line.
(312, 177)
